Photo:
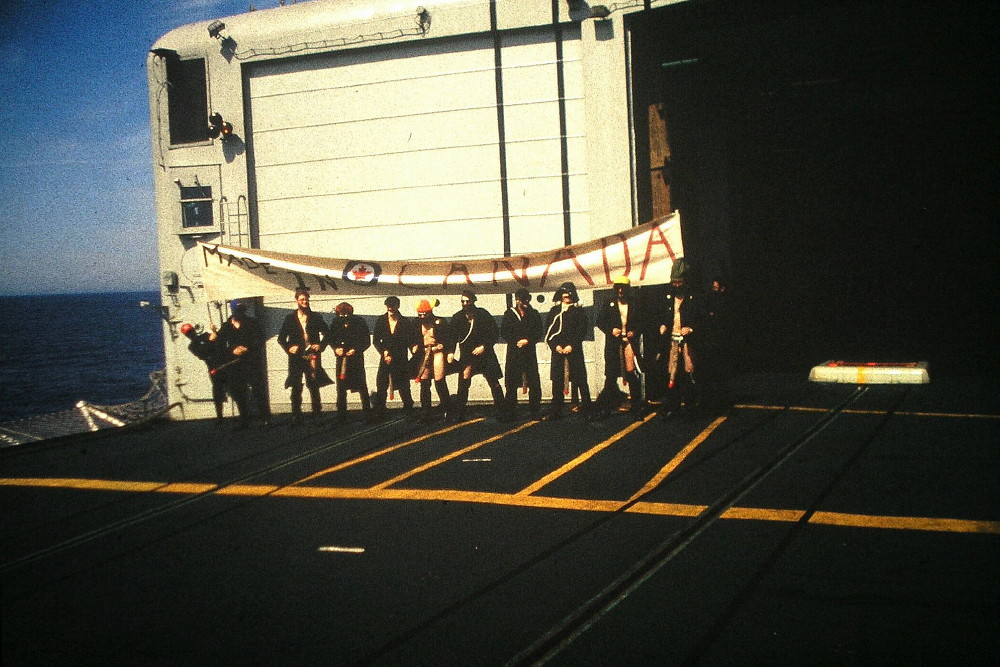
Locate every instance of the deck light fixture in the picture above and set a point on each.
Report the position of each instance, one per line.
(215, 29)
(217, 126)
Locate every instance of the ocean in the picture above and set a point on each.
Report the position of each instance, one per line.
(56, 350)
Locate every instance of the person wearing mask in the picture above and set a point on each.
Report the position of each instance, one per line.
(392, 336)
(433, 351)
(243, 338)
(621, 322)
(205, 345)
(476, 333)
(522, 329)
(681, 324)
(565, 329)
(349, 338)
(303, 337)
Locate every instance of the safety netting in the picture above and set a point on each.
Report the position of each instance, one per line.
(86, 417)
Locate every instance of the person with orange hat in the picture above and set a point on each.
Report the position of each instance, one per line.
(621, 322)
(565, 329)
(303, 337)
(433, 351)
(349, 338)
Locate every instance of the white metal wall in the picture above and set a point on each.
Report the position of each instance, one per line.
(394, 153)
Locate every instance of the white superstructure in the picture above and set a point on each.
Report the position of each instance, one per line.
(383, 129)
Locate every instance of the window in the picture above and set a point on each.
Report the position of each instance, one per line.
(196, 207)
(187, 100)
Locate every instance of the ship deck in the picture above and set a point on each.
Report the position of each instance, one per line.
(808, 524)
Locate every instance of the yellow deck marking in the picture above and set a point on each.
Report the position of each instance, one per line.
(453, 455)
(387, 450)
(676, 461)
(905, 523)
(666, 509)
(556, 474)
(925, 524)
(901, 413)
(761, 514)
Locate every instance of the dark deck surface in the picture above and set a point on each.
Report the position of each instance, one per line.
(809, 524)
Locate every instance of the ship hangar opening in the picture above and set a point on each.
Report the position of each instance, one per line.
(833, 161)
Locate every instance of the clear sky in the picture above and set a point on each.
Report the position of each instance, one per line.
(76, 190)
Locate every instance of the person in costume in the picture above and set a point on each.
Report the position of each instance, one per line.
(303, 336)
(433, 350)
(522, 329)
(681, 323)
(349, 338)
(206, 346)
(621, 322)
(392, 336)
(243, 338)
(565, 329)
(476, 332)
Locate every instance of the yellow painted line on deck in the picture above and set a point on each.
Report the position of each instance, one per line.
(877, 522)
(556, 474)
(762, 514)
(453, 455)
(900, 413)
(107, 485)
(676, 461)
(666, 509)
(387, 450)
(905, 523)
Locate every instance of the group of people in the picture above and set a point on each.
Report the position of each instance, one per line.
(429, 348)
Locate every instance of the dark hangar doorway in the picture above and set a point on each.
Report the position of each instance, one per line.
(834, 162)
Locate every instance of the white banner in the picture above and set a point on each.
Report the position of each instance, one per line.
(644, 254)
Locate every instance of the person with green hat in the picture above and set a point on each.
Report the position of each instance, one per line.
(681, 323)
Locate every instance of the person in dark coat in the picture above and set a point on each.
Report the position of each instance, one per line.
(621, 321)
(433, 352)
(303, 336)
(243, 338)
(522, 329)
(392, 336)
(715, 358)
(681, 325)
(349, 338)
(206, 346)
(565, 329)
(476, 332)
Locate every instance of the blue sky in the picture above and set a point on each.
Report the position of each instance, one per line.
(75, 175)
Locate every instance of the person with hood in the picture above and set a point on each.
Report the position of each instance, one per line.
(303, 337)
(349, 338)
(565, 329)
(392, 336)
(681, 323)
(433, 351)
(522, 329)
(621, 322)
(242, 337)
(476, 332)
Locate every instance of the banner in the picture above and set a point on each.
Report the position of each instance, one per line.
(644, 254)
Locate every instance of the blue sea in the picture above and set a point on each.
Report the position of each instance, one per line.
(56, 350)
